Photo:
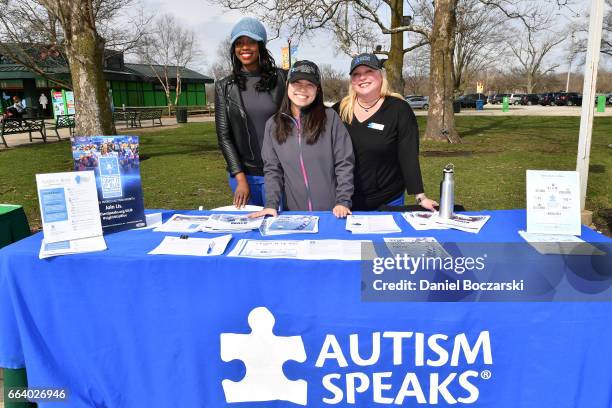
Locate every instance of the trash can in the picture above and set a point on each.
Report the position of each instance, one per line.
(457, 107)
(181, 115)
(480, 104)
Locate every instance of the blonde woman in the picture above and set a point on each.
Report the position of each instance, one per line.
(385, 138)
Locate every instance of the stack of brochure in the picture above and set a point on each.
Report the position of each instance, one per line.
(184, 224)
(416, 247)
(232, 223)
(372, 224)
(302, 249)
(70, 214)
(216, 223)
(422, 220)
(290, 224)
(192, 246)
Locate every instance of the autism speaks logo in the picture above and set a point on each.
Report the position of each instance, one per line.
(264, 354)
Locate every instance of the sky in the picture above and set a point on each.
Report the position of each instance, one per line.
(212, 24)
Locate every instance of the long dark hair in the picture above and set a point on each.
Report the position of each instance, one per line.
(267, 65)
(313, 119)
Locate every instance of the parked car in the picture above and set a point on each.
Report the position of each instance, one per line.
(515, 99)
(548, 98)
(420, 102)
(568, 99)
(609, 98)
(530, 99)
(469, 100)
(498, 98)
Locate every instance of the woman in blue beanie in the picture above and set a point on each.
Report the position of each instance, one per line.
(244, 101)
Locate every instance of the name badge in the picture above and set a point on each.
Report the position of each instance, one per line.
(376, 126)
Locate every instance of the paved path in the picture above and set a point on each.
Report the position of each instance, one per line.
(169, 123)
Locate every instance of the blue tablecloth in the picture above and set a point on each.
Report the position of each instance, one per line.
(121, 328)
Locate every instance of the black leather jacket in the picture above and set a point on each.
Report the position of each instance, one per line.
(232, 130)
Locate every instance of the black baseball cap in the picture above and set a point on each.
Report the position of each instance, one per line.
(304, 69)
(369, 60)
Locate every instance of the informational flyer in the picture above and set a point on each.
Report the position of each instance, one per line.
(68, 205)
(115, 161)
(553, 202)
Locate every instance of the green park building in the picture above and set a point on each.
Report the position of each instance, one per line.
(131, 85)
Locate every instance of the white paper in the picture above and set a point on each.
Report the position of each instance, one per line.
(77, 246)
(290, 224)
(416, 247)
(69, 205)
(462, 222)
(372, 224)
(422, 220)
(183, 223)
(192, 246)
(232, 223)
(553, 202)
(294, 249)
(153, 220)
(347, 250)
(246, 208)
(559, 244)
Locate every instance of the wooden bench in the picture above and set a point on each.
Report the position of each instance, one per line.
(64, 122)
(14, 126)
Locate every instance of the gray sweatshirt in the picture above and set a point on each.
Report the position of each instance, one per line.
(313, 177)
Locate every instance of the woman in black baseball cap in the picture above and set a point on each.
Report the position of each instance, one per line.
(307, 152)
(385, 138)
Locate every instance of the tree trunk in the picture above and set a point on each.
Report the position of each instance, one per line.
(440, 117)
(395, 63)
(529, 83)
(85, 52)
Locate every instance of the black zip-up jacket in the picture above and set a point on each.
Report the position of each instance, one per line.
(232, 129)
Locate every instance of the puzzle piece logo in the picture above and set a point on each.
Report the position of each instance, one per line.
(263, 354)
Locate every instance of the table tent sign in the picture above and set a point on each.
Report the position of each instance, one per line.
(553, 202)
(116, 164)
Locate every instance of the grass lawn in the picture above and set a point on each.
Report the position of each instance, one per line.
(183, 168)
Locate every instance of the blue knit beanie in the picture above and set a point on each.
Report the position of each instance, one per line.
(249, 27)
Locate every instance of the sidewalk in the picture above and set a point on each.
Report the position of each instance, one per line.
(168, 122)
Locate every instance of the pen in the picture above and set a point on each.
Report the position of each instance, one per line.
(210, 247)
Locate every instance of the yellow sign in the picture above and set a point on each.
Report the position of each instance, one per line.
(285, 58)
(479, 87)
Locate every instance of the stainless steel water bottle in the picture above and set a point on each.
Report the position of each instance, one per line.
(447, 192)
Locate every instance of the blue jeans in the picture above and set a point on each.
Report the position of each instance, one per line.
(256, 184)
(397, 202)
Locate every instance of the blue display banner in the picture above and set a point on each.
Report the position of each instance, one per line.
(116, 163)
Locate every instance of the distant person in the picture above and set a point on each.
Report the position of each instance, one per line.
(385, 138)
(43, 101)
(244, 101)
(16, 109)
(307, 151)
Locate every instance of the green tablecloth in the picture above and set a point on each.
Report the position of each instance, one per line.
(13, 227)
(13, 224)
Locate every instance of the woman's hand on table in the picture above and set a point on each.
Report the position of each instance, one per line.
(341, 211)
(428, 203)
(263, 213)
